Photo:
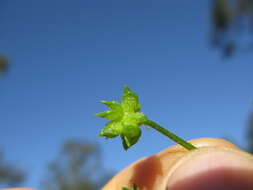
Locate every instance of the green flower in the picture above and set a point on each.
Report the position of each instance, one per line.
(125, 119)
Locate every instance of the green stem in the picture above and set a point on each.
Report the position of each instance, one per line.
(169, 134)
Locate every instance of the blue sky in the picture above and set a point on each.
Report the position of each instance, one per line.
(66, 56)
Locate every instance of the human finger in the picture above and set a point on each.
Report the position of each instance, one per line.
(154, 172)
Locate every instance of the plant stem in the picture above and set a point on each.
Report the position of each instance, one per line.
(169, 134)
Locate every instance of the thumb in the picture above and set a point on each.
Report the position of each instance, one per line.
(213, 168)
(216, 164)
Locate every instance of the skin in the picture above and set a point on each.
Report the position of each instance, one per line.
(18, 189)
(216, 164)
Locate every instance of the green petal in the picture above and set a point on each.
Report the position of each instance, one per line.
(130, 101)
(110, 115)
(130, 136)
(115, 113)
(112, 129)
(139, 117)
(104, 114)
(135, 119)
(124, 144)
(114, 106)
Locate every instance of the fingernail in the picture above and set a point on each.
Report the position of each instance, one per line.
(211, 170)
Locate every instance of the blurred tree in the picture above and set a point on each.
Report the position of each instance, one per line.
(78, 167)
(3, 64)
(10, 175)
(232, 25)
(232, 29)
(250, 133)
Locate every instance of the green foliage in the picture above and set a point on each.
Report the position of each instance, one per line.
(231, 21)
(135, 187)
(125, 119)
(3, 64)
(10, 175)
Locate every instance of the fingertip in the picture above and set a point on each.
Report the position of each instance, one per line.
(213, 169)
